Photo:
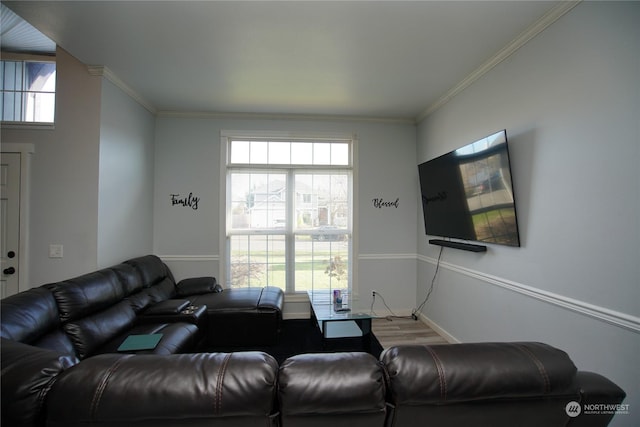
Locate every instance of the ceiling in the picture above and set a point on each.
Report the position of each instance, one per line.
(373, 59)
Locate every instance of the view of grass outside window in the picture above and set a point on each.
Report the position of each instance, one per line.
(28, 91)
(289, 214)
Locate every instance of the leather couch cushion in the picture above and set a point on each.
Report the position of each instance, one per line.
(236, 300)
(87, 294)
(153, 295)
(241, 299)
(151, 269)
(28, 374)
(462, 372)
(56, 340)
(178, 337)
(93, 331)
(145, 390)
(331, 383)
(162, 290)
(129, 278)
(139, 301)
(255, 313)
(198, 285)
(27, 316)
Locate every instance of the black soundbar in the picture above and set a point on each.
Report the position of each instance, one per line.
(459, 245)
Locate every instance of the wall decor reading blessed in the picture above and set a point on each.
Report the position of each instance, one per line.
(381, 203)
(190, 201)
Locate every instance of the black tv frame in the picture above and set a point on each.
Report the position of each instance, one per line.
(472, 247)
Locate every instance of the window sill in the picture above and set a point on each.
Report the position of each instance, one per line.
(296, 297)
(28, 125)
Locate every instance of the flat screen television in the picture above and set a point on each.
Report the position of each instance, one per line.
(468, 193)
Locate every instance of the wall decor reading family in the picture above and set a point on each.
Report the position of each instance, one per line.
(381, 203)
(190, 201)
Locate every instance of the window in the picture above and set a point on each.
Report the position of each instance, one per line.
(28, 91)
(289, 213)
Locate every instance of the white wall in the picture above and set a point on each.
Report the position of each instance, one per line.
(64, 177)
(188, 160)
(570, 102)
(125, 214)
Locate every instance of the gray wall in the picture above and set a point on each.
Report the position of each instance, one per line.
(188, 160)
(570, 102)
(91, 177)
(64, 177)
(127, 132)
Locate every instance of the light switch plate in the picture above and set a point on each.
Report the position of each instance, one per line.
(56, 251)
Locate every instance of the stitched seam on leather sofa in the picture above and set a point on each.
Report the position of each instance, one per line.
(539, 365)
(220, 383)
(441, 376)
(95, 402)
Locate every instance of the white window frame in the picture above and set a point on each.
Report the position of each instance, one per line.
(227, 135)
(21, 124)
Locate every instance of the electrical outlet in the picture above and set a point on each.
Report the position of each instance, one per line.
(373, 293)
(56, 251)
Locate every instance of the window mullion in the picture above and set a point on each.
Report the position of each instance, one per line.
(290, 233)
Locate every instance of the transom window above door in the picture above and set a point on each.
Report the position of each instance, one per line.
(28, 90)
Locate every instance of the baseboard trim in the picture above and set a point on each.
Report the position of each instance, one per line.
(438, 329)
(612, 317)
(295, 316)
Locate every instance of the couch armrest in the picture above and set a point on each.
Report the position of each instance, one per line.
(169, 306)
(600, 400)
(28, 374)
(196, 315)
(197, 286)
(148, 390)
(446, 374)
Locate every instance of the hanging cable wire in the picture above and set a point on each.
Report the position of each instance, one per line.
(433, 281)
(390, 317)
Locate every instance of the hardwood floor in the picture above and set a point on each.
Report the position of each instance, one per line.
(404, 331)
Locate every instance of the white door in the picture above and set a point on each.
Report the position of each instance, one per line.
(9, 223)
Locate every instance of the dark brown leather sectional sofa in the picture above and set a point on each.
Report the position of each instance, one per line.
(61, 367)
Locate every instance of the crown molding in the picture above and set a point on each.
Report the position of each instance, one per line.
(283, 116)
(531, 32)
(102, 71)
(539, 26)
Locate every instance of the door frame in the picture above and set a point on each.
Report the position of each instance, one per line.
(25, 150)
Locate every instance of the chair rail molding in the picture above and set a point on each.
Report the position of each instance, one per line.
(613, 317)
(189, 258)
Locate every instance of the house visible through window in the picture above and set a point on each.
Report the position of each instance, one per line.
(289, 213)
(28, 91)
